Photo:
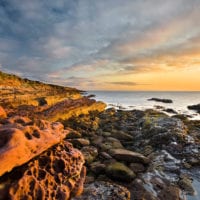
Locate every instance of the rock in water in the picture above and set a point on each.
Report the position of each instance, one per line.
(161, 100)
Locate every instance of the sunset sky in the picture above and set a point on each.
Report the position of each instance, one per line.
(103, 44)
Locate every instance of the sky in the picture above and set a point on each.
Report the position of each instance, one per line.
(103, 44)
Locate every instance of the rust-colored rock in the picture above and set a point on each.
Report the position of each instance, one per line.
(68, 108)
(20, 141)
(57, 174)
(2, 113)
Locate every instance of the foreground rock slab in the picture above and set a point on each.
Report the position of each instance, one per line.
(20, 141)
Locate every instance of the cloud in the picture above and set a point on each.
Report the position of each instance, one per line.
(126, 83)
(58, 40)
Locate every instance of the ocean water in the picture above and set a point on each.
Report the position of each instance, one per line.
(138, 100)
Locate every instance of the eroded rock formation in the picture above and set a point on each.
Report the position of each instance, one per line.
(36, 162)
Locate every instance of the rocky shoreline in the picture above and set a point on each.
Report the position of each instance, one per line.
(133, 154)
(149, 153)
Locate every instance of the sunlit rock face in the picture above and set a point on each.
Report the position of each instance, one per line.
(56, 174)
(36, 162)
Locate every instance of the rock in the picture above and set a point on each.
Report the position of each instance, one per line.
(57, 173)
(163, 130)
(185, 183)
(170, 110)
(101, 190)
(79, 142)
(137, 167)
(110, 143)
(161, 100)
(73, 134)
(105, 155)
(97, 167)
(120, 135)
(97, 140)
(171, 193)
(2, 113)
(68, 108)
(129, 156)
(90, 153)
(120, 172)
(19, 144)
(195, 107)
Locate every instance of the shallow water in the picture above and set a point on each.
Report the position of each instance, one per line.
(138, 100)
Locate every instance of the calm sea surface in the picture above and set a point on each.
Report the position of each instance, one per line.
(138, 100)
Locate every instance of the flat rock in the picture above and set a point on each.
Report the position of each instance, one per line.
(79, 142)
(129, 156)
(2, 113)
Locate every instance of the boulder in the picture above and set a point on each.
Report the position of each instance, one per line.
(120, 172)
(19, 143)
(58, 173)
(129, 156)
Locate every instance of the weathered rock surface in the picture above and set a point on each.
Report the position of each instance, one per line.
(100, 190)
(20, 142)
(129, 156)
(68, 108)
(2, 113)
(56, 174)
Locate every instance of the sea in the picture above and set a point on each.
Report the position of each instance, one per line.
(129, 100)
